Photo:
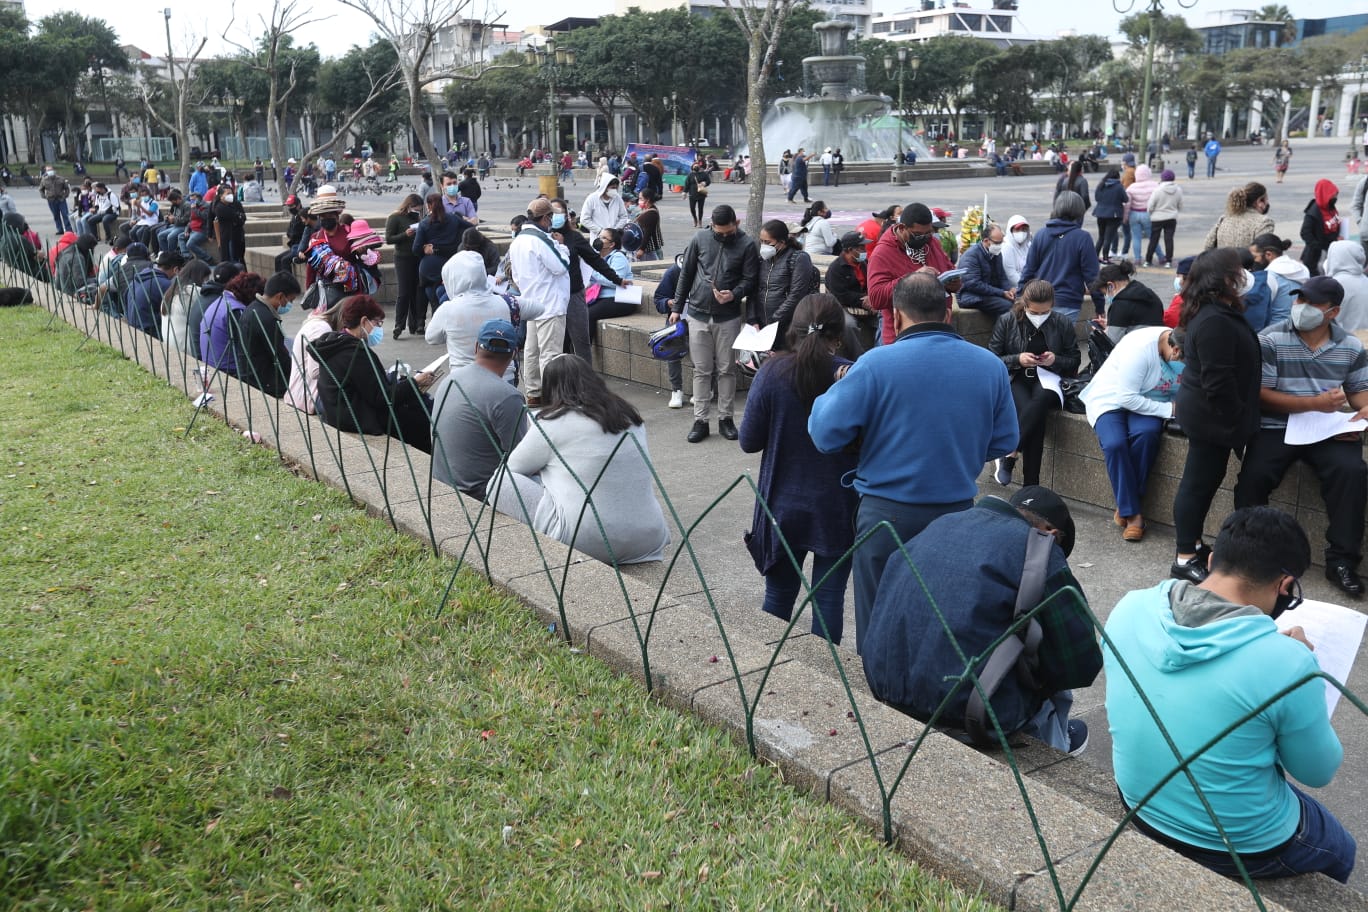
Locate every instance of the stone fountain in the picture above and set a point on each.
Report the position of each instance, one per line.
(834, 109)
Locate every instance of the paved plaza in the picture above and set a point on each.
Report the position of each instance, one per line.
(695, 475)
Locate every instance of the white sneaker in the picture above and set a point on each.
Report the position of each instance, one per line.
(677, 399)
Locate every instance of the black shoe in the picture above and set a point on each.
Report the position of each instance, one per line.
(1345, 579)
(398, 334)
(1204, 555)
(1190, 570)
(727, 428)
(699, 432)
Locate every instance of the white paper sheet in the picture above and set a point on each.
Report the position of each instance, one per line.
(1313, 427)
(756, 340)
(1050, 380)
(628, 294)
(1336, 632)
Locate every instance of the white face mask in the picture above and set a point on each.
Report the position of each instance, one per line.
(995, 249)
(1306, 316)
(1037, 320)
(767, 251)
(612, 194)
(1020, 236)
(1177, 284)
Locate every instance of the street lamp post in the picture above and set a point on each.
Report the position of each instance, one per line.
(1156, 9)
(903, 59)
(551, 60)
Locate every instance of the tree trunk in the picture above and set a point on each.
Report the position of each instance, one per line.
(416, 121)
(755, 113)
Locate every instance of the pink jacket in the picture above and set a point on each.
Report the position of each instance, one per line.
(1139, 192)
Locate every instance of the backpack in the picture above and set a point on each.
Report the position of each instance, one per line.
(633, 238)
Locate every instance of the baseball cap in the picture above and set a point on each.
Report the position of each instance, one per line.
(498, 336)
(539, 208)
(138, 251)
(1185, 265)
(852, 240)
(1050, 507)
(942, 216)
(1016, 220)
(1322, 290)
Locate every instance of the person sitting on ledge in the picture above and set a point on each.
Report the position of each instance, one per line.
(983, 568)
(1217, 639)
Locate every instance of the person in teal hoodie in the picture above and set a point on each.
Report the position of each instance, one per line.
(1209, 656)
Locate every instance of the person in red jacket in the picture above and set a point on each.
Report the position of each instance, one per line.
(909, 246)
(1176, 305)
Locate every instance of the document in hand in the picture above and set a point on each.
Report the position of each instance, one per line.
(1336, 632)
(628, 294)
(1051, 381)
(438, 367)
(756, 340)
(1312, 427)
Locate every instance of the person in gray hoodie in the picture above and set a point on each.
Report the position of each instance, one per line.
(1164, 205)
(1344, 263)
(603, 207)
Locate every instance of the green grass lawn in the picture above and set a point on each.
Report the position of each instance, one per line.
(225, 687)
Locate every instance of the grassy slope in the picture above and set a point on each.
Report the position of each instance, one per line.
(224, 687)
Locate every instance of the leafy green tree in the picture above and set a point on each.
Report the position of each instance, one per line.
(347, 85)
(1277, 12)
(508, 94)
(1170, 33)
(945, 78)
(1263, 75)
(999, 87)
(88, 50)
(1123, 81)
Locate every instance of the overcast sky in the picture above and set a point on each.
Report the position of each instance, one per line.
(140, 26)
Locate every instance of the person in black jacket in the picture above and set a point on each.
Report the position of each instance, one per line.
(470, 188)
(1076, 182)
(1218, 398)
(209, 292)
(435, 239)
(846, 279)
(1320, 224)
(1028, 337)
(1130, 304)
(786, 277)
(564, 227)
(301, 225)
(354, 392)
(262, 358)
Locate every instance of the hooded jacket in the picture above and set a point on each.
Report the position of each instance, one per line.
(263, 360)
(142, 309)
(1064, 255)
(1179, 641)
(1139, 192)
(215, 345)
(208, 293)
(889, 261)
(1111, 199)
(1014, 254)
(353, 387)
(468, 305)
(1166, 201)
(1135, 305)
(598, 213)
(1344, 263)
(1285, 278)
(1320, 225)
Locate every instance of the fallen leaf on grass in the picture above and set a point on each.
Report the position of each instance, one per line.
(578, 843)
(212, 825)
(671, 815)
(650, 875)
(281, 793)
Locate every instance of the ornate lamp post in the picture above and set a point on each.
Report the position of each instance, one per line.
(1156, 8)
(553, 62)
(904, 59)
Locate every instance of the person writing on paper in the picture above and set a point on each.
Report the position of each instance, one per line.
(605, 305)
(1030, 336)
(1310, 364)
(1217, 639)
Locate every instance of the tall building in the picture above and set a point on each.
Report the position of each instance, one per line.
(999, 23)
(859, 12)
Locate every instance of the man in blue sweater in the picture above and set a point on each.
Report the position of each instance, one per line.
(1208, 656)
(925, 414)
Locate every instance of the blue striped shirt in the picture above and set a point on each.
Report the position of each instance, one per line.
(1290, 367)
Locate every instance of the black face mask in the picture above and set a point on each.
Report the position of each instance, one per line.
(1287, 601)
(918, 241)
(328, 224)
(724, 238)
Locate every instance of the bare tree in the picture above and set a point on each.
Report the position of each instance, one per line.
(411, 27)
(761, 22)
(181, 90)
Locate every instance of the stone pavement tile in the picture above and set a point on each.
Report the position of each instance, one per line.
(806, 722)
(1089, 786)
(686, 652)
(1313, 893)
(510, 551)
(591, 595)
(961, 814)
(1137, 873)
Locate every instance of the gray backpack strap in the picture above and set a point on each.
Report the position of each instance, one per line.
(1020, 652)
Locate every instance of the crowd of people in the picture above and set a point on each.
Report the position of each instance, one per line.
(874, 420)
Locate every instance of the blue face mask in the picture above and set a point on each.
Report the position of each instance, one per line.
(285, 308)
(558, 220)
(375, 336)
(453, 191)
(1177, 284)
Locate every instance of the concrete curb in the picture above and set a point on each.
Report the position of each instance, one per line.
(957, 811)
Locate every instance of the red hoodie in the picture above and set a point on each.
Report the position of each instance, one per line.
(888, 263)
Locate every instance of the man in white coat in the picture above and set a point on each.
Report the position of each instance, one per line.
(541, 266)
(603, 207)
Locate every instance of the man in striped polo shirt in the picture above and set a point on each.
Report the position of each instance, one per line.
(1312, 365)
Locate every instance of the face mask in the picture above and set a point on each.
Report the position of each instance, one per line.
(453, 191)
(1248, 284)
(375, 336)
(612, 194)
(767, 251)
(918, 241)
(1286, 601)
(724, 238)
(1107, 299)
(558, 220)
(1037, 320)
(1306, 317)
(1020, 236)
(1177, 284)
(285, 308)
(995, 249)
(862, 257)
(329, 224)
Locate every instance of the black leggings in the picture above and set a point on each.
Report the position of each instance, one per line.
(607, 309)
(1107, 230)
(1203, 473)
(1033, 404)
(1167, 226)
(696, 207)
(408, 310)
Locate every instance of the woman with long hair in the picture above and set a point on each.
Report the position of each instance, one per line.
(1245, 218)
(581, 474)
(696, 188)
(818, 235)
(175, 309)
(1218, 399)
(812, 511)
(786, 277)
(435, 239)
(1030, 336)
(303, 389)
(400, 228)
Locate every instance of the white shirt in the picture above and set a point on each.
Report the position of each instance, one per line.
(1134, 368)
(542, 274)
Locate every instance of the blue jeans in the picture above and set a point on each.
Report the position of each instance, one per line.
(1320, 844)
(61, 214)
(169, 238)
(1129, 444)
(1051, 723)
(191, 246)
(1140, 231)
(872, 556)
(783, 588)
(1211, 166)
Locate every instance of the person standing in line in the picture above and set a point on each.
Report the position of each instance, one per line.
(1137, 213)
(55, 189)
(1245, 218)
(837, 166)
(721, 270)
(1110, 211)
(812, 511)
(826, 166)
(1164, 205)
(926, 412)
(541, 265)
(402, 224)
(1320, 224)
(1218, 399)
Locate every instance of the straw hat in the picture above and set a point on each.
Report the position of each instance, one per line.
(327, 200)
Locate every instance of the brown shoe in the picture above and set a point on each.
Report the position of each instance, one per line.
(1118, 518)
(533, 401)
(1134, 533)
